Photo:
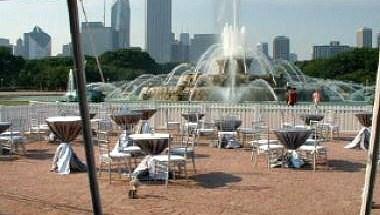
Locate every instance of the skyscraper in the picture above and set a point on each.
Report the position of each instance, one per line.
(293, 57)
(200, 43)
(364, 38)
(180, 49)
(184, 38)
(37, 44)
(328, 51)
(96, 38)
(19, 49)
(67, 49)
(281, 48)
(263, 48)
(158, 29)
(120, 23)
(5, 43)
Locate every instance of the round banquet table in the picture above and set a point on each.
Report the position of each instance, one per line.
(127, 121)
(362, 139)
(227, 125)
(193, 116)
(311, 117)
(151, 144)
(66, 129)
(292, 138)
(146, 114)
(365, 119)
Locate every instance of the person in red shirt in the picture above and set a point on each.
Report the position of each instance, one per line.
(292, 97)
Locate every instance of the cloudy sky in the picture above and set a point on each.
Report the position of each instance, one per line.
(306, 22)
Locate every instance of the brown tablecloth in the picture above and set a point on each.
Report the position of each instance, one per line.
(227, 125)
(193, 116)
(66, 128)
(152, 147)
(365, 119)
(125, 119)
(146, 113)
(311, 117)
(292, 138)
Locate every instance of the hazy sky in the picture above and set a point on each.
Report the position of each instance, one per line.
(306, 22)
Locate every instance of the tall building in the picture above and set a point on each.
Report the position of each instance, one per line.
(181, 48)
(120, 23)
(263, 48)
(328, 51)
(364, 38)
(378, 40)
(281, 48)
(96, 38)
(67, 49)
(5, 43)
(19, 49)
(158, 25)
(293, 57)
(184, 38)
(200, 43)
(37, 44)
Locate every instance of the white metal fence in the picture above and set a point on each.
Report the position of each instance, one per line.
(274, 114)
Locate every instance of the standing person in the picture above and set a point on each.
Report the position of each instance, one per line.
(316, 97)
(292, 97)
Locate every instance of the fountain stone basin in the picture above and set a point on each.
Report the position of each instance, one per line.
(146, 113)
(228, 125)
(193, 116)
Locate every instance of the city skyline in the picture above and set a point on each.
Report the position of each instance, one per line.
(322, 21)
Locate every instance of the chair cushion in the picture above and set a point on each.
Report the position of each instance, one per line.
(119, 155)
(206, 130)
(265, 147)
(181, 150)
(131, 149)
(264, 142)
(311, 148)
(246, 130)
(164, 158)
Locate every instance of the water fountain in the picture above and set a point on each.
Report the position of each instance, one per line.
(71, 93)
(230, 71)
(94, 91)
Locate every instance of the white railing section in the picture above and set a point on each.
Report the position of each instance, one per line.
(273, 114)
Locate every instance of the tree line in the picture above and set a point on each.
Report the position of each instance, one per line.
(359, 65)
(52, 73)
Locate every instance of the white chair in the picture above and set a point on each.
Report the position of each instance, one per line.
(168, 162)
(205, 129)
(331, 122)
(109, 158)
(312, 151)
(38, 129)
(263, 145)
(188, 150)
(13, 141)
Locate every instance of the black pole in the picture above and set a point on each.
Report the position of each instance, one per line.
(83, 105)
